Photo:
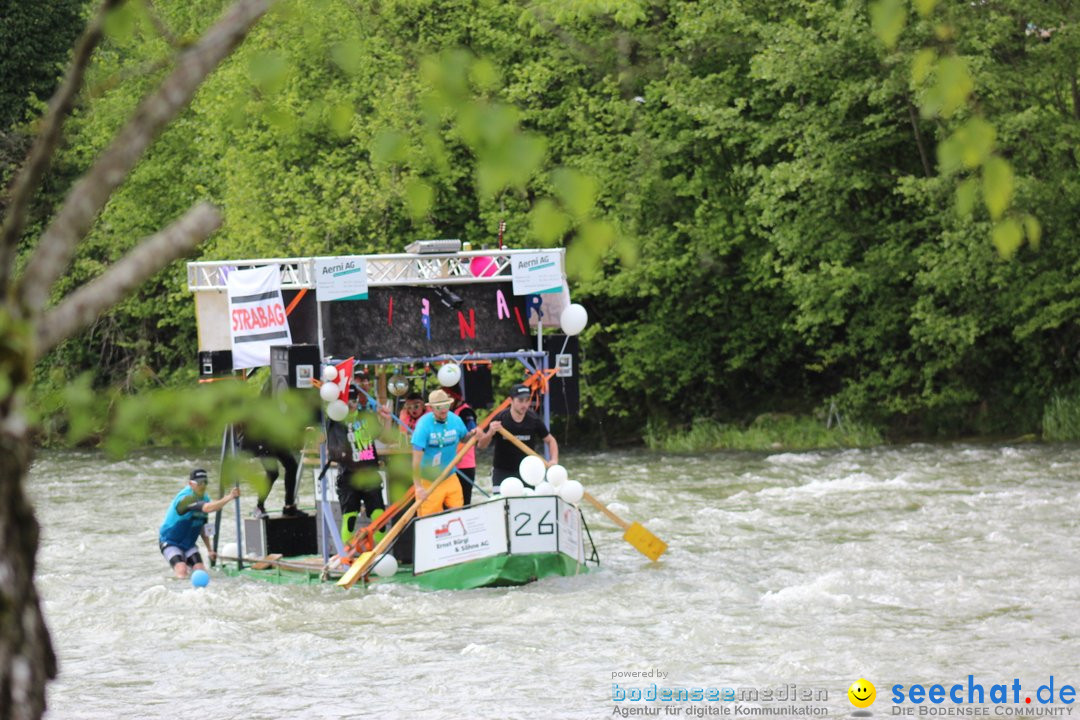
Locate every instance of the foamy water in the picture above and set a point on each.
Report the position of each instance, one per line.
(919, 564)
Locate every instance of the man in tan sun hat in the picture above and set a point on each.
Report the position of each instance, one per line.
(435, 441)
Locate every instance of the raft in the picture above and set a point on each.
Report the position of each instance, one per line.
(497, 543)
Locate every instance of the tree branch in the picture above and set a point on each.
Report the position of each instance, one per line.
(41, 153)
(84, 305)
(914, 118)
(92, 190)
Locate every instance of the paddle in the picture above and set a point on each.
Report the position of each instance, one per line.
(276, 561)
(365, 535)
(636, 534)
(358, 569)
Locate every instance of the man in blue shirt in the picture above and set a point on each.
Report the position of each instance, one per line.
(185, 522)
(435, 441)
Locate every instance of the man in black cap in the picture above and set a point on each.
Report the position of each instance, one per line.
(185, 523)
(523, 422)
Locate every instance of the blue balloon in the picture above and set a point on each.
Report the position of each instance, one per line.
(200, 578)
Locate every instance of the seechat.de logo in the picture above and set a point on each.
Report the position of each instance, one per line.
(862, 693)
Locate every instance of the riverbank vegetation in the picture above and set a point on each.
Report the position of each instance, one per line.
(774, 230)
(766, 432)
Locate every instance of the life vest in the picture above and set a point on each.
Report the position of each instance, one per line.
(183, 530)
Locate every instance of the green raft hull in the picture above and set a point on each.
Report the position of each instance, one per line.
(498, 571)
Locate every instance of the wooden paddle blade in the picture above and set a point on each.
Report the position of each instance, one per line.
(349, 578)
(644, 541)
(266, 561)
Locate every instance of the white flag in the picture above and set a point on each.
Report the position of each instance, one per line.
(257, 315)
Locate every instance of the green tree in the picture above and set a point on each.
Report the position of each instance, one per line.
(29, 327)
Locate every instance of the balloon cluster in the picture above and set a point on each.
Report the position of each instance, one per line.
(330, 392)
(553, 481)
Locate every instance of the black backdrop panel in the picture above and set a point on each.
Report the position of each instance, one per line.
(391, 322)
(303, 320)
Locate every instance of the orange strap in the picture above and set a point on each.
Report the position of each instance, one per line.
(295, 301)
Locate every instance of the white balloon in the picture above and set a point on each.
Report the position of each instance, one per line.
(556, 475)
(329, 391)
(545, 488)
(571, 491)
(531, 470)
(329, 373)
(229, 549)
(573, 319)
(529, 492)
(512, 487)
(449, 374)
(386, 567)
(337, 410)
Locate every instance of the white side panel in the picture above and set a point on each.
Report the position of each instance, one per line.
(453, 537)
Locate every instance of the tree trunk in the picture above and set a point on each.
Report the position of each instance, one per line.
(27, 660)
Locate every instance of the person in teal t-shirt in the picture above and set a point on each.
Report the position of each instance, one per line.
(435, 442)
(185, 521)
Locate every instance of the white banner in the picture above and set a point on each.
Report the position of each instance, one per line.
(533, 525)
(341, 278)
(453, 537)
(257, 315)
(537, 273)
(571, 539)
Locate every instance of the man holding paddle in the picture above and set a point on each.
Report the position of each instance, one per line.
(434, 442)
(526, 425)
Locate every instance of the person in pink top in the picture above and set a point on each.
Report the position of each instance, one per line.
(411, 412)
(467, 466)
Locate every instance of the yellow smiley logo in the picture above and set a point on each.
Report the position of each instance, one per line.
(862, 693)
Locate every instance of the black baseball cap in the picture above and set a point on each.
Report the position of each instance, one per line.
(361, 373)
(520, 390)
(199, 475)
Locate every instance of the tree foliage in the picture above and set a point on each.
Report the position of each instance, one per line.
(765, 207)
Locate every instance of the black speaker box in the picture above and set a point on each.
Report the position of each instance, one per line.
(478, 392)
(289, 536)
(215, 363)
(563, 388)
(293, 366)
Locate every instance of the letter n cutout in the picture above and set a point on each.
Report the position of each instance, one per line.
(467, 329)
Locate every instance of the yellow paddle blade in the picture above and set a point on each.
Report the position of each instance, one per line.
(349, 578)
(644, 541)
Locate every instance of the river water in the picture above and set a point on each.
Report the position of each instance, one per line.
(918, 564)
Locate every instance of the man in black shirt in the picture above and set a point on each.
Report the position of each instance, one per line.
(523, 422)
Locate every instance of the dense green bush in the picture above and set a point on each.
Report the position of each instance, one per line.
(767, 432)
(756, 180)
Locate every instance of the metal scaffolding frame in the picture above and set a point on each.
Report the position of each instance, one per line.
(382, 270)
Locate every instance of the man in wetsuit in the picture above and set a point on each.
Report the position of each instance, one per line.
(185, 521)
